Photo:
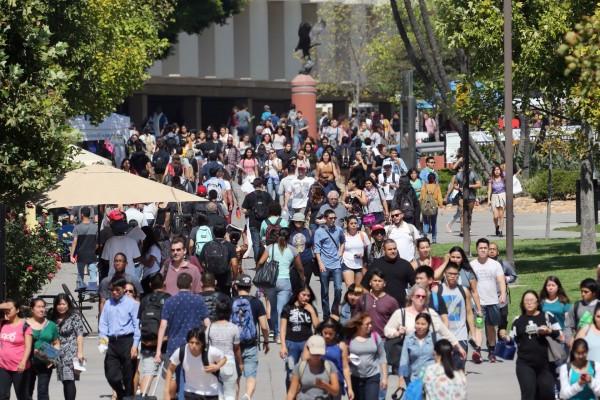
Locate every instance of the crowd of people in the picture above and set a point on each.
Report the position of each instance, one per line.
(181, 298)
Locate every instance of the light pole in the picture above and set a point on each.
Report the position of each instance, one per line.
(508, 135)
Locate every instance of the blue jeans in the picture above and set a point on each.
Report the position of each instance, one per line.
(365, 388)
(296, 142)
(255, 235)
(93, 270)
(430, 225)
(273, 187)
(326, 277)
(294, 353)
(278, 297)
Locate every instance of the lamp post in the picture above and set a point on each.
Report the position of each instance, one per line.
(508, 135)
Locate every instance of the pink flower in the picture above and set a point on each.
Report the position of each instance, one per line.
(29, 268)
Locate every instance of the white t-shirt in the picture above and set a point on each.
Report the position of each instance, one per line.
(405, 237)
(299, 189)
(133, 213)
(285, 184)
(155, 267)
(121, 244)
(136, 234)
(219, 185)
(487, 280)
(150, 211)
(196, 380)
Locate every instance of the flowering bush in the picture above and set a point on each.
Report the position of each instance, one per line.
(32, 259)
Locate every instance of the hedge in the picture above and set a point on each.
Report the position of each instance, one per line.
(563, 185)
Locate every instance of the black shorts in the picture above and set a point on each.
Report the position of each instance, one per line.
(491, 314)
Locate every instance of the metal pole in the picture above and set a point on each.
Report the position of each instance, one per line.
(466, 227)
(412, 140)
(508, 136)
(549, 204)
(3, 291)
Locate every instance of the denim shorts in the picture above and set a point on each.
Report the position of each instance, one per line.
(250, 360)
(491, 314)
(148, 366)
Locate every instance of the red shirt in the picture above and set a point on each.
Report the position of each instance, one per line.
(171, 278)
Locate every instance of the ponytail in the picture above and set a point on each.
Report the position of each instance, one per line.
(443, 348)
(284, 235)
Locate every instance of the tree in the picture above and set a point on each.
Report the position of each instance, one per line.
(59, 59)
(582, 50)
(193, 16)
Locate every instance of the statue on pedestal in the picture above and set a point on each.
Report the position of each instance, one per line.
(307, 36)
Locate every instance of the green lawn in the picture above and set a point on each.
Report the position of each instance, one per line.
(538, 258)
(574, 228)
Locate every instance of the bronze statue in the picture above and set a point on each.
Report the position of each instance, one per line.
(307, 36)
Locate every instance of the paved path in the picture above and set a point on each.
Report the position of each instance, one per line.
(485, 381)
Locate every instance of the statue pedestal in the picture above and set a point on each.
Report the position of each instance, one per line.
(304, 96)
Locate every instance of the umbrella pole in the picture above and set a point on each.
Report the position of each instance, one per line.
(2, 251)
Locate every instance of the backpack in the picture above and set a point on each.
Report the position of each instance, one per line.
(261, 205)
(272, 232)
(210, 300)
(461, 289)
(150, 316)
(429, 206)
(203, 236)
(405, 204)
(215, 257)
(241, 315)
(211, 185)
(160, 164)
(171, 143)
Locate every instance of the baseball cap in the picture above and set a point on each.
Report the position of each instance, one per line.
(387, 163)
(316, 345)
(201, 191)
(298, 217)
(377, 227)
(243, 280)
(115, 215)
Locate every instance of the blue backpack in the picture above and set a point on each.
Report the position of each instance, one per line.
(241, 315)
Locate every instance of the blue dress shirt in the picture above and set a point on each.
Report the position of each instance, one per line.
(120, 317)
(327, 248)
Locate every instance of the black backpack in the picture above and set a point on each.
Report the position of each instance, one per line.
(261, 205)
(151, 313)
(215, 257)
(405, 204)
(272, 232)
(160, 163)
(210, 300)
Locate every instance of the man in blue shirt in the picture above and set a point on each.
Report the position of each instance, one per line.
(430, 163)
(181, 313)
(329, 246)
(119, 327)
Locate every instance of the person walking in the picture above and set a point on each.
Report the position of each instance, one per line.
(83, 248)
(417, 350)
(45, 334)
(353, 257)
(247, 313)
(219, 257)
(180, 314)
(256, 206)
(530, 331)
(431, 202)
(496, 196)
(15, 351)
(315, 377)
(288, 259)
(377, 303)
(554, 299)
(301, 239)
(298, 320)
(225, 336)
(403, 233)
(200, 364)
(368, 366)
(442, 380)
(578, 378)
(591, 334)
(177, 266)
(329, 242)
(70, 329)
(119, 330)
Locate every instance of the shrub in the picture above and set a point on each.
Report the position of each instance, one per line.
(563, 185)
(32, 259)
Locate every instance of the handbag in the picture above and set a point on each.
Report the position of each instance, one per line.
(266, 276)
(556, 351)
(505, 349)
(48, 354)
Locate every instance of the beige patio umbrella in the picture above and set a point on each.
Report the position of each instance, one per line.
(88, 158)
(101, 184)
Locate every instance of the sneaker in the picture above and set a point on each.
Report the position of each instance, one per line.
(245, 397)
(278, 340)
(492, 358)
(476, 357)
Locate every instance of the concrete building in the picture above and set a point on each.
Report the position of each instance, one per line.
(249, 60)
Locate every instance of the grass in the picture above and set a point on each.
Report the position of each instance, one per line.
(574, 228)
(535, 259)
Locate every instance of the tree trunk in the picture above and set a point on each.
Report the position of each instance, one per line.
(588, 220)
(435, 48)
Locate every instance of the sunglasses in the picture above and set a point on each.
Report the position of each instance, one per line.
(396, 215)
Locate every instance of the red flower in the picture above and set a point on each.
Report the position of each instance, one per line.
(29, 268)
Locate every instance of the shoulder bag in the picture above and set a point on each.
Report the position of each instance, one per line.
(266, 276)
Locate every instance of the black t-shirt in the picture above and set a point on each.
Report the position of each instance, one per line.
(250, 203)
(399, 275)
(299, 323)
(286, 157)
(211, 298)
(207, 147)
(86, 242)
(138, 161)
(533, 349)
